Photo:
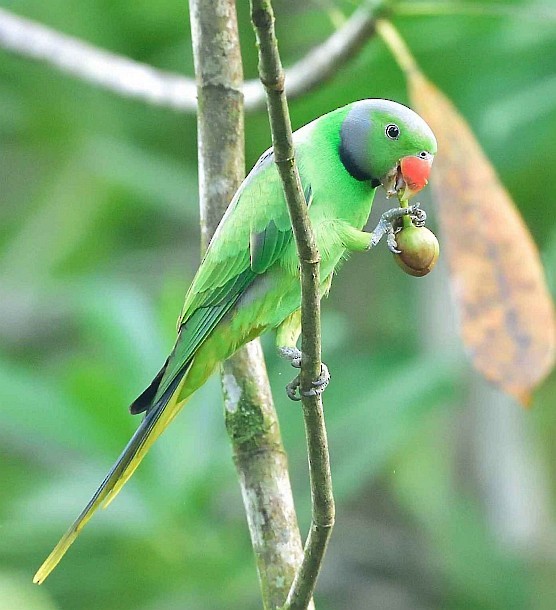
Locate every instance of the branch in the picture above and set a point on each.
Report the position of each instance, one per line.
(103, 69)
(321, 63)
(272, 76)
(251, 420)
(133, 79)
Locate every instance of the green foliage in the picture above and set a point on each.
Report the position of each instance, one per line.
(100, 241)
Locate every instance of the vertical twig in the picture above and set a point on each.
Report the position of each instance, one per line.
(250, 416)
(272, 77)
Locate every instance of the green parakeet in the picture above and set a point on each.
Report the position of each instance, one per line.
(248, 281)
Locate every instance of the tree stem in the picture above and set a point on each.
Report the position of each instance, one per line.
(272, 77)
(251, 420)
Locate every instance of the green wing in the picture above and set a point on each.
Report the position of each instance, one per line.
(251, 237)
(267, 244)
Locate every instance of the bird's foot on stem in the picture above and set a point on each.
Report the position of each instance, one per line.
(293, 389)
(292, 354)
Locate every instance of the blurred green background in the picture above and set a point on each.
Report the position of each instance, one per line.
(445, 489)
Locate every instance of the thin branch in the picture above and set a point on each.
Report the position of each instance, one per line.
(251, 420)
(101, 68)
(137, 80)
(272, 76)
(321, 63)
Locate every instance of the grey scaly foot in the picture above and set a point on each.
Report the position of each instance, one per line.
(292, 388)
(319, 385)
(418, 216)
(388, 225)
(292, 354)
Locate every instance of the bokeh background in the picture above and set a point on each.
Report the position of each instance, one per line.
(445, 488)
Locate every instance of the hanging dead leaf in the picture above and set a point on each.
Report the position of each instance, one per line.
(506, 313)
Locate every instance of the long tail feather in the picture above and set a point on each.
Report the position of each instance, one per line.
(149, 430)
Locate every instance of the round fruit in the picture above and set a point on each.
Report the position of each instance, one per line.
(419, 250)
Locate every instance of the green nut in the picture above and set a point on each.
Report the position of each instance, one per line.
(419, 250)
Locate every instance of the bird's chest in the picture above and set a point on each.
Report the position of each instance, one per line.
(335, 203)
(328, 223)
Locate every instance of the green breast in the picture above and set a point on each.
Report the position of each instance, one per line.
(337, 196)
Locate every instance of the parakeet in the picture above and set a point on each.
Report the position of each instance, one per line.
(248, 281)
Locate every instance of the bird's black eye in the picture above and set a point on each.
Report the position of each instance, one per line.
(392, 131)
(424, 154)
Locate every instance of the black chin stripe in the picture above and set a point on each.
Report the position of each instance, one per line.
(354, 135)
(351, 165)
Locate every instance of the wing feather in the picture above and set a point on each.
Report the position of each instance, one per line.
(251, 237)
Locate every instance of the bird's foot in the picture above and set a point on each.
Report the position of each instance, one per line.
(292, 354)
(293, 389)
(418, 216)
(389, 225)
(319, 384)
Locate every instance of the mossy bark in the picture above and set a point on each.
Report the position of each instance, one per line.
(250, 417)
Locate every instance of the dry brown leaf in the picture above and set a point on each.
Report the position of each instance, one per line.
(506, 312)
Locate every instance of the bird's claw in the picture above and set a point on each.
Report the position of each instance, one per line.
(318, 385)
(390, 224)
(292, 354)
(418, 216)
(391, 241)
(293, 388)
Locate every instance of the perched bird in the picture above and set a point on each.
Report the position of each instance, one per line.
(248, 281)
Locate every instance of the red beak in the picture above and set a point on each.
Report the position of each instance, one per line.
(415, 172)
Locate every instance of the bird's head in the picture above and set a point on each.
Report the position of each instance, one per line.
(387, 143)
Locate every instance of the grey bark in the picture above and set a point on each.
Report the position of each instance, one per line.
(251, 420)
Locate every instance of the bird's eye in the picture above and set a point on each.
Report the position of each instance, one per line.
(392, 131)
(424, 154)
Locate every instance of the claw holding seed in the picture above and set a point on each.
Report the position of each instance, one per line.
(391, 242)
(390, 223)
(418, 216)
